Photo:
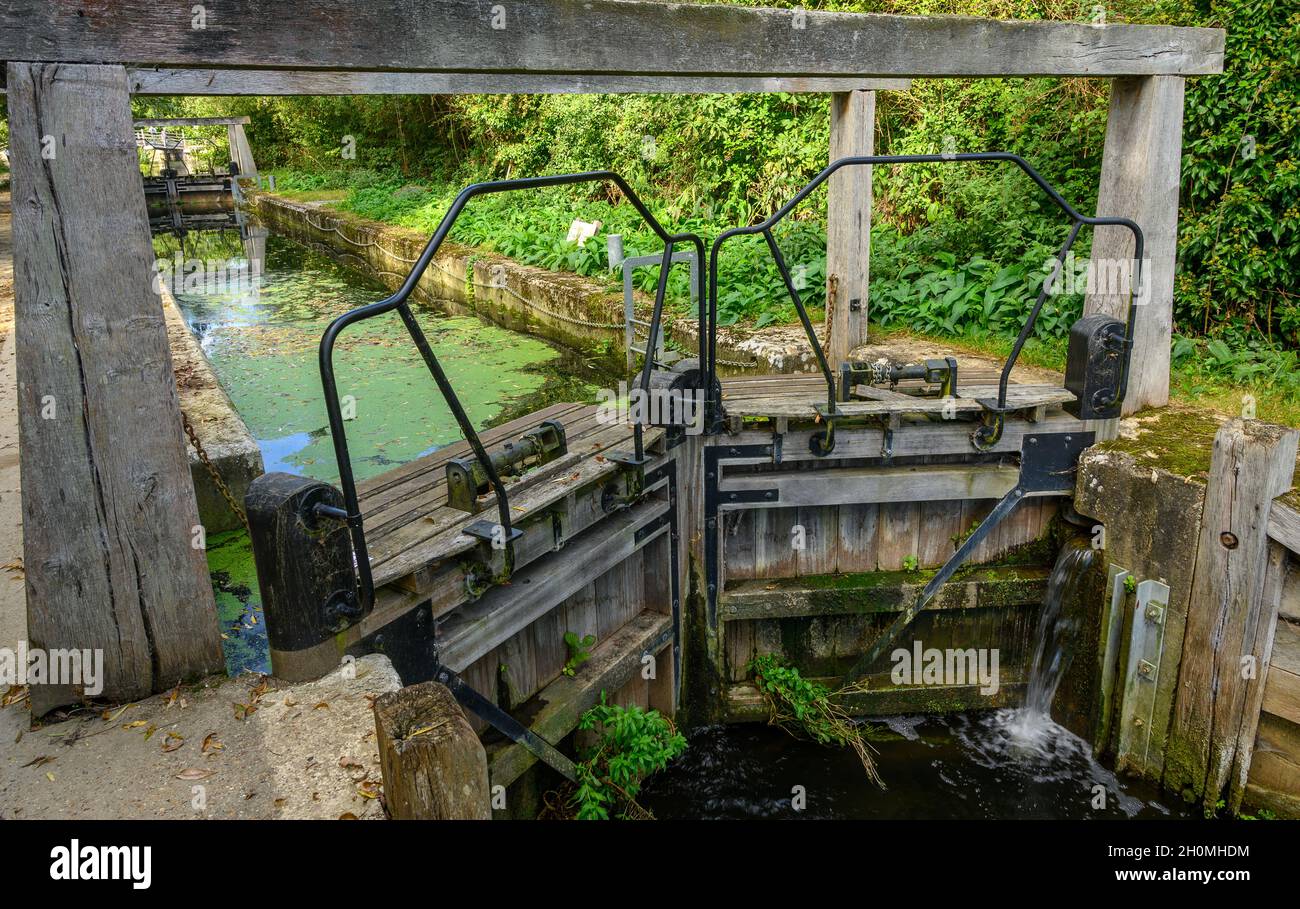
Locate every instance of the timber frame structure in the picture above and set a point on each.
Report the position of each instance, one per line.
(109, 513)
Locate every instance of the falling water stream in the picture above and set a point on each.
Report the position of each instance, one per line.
(1008, 763)
(1030, 727)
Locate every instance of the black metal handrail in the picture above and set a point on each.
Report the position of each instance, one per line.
(1077, 221)
(351, 513)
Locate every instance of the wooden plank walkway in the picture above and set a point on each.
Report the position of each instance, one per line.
(409, 524)
(795, 397)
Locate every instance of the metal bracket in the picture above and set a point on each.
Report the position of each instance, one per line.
(626, 457)
(714, 455)
(646, 530)
(500, 547)
(1142, 676)
(1044, 459)
(1047, 458)
(504, 723)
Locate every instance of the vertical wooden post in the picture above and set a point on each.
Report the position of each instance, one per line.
(1262, 647)
(240, 151)
(109, 512)
(1253, 463)
(434, 766)
(848, 225)
(1140, 171)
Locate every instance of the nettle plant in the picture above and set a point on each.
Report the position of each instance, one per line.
(633, 744)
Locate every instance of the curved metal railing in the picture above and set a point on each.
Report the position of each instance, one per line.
(351, 512)
(824, 440)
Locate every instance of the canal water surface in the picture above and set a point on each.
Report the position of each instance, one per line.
(261, 335)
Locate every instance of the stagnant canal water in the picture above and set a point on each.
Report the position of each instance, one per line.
(261, 335)
(262, 341)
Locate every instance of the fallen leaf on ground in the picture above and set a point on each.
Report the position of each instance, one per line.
(323, 705)
(37, 762)
(134, 724)
(172, 741)
(243, 711)
(111, 717)
(347, 816)
(211, 743)
(194, 773)
(369, 789)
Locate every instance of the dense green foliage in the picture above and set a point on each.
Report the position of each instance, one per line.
(633, 744)
(957, 249)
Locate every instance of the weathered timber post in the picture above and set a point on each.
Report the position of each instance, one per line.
(240, 151)
(848, 224)
(304, 572)
(112, 545)
(1140, 171)
(1253, 463)
(1270, 606)
(434, 765)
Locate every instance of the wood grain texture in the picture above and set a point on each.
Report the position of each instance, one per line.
(434, 767)
(1140, 171)
(1252, 464)
(108, 505)
(848, 224)
(1284, 526)
(164, 81)
(598, 36)
(1274, 685)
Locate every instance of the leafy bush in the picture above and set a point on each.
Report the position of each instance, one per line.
(634, 743)
(956, 248)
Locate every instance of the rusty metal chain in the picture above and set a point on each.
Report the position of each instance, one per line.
(212, 470)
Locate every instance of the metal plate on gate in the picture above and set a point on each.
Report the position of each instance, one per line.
(1142, 675)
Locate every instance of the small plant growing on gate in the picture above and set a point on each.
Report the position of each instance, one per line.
(634, 743)
(579, 651)
(911, 564)
(799, 705)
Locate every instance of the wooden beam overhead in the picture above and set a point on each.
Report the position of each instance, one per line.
(610, 37)
(157, 122)
(161, 81)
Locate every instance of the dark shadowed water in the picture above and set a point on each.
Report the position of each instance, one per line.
(1008, 763)
(957, 766)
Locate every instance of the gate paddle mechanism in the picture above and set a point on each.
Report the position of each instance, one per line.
(467, 479)
(1046, 459)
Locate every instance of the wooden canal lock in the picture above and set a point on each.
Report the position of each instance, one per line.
(826, 517)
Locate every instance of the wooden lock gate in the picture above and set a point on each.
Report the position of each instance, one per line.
(599, 527)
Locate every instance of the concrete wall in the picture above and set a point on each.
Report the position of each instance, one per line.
(221, 431)
(576, 311)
